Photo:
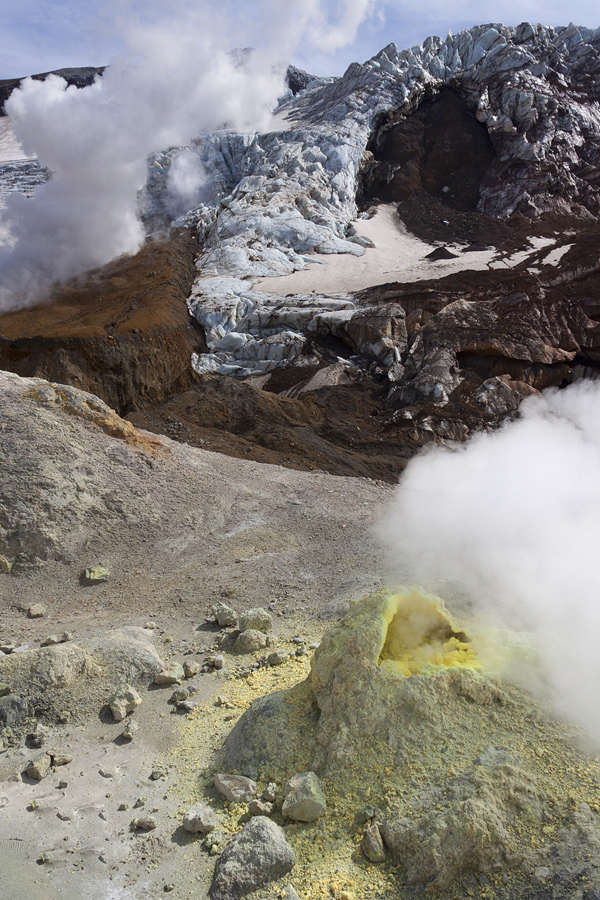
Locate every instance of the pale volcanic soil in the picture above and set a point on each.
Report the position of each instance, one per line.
(178, 529)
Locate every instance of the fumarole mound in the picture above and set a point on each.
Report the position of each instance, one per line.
(417, 737)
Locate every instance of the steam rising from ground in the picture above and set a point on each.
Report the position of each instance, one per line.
(178, 81)
(511, 521)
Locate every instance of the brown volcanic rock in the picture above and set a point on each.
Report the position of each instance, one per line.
(336, 429)
(123, 334)
(440, 150)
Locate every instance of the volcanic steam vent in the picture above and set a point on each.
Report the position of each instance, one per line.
(421, 637)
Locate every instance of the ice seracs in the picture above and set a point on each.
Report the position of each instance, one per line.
(277, 201)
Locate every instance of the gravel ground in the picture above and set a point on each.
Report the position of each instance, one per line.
(178, 529)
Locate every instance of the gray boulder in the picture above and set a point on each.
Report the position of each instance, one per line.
(200, 819)
(250, 641)
(257, 619)
(39, 767)
(172, 673)
(224, 615)
(256, 856)
(123, 701)
(235, 788)
(305, 800)
(128, 653)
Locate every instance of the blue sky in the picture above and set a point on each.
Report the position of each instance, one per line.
(38, 35)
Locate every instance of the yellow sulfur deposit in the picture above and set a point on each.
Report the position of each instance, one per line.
(421, 636)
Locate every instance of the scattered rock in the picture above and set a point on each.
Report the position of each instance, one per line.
(190, 668)
(5, 565)
(124, 700)
(7, 646)
(256, 856)
(224, 615)
(235, 788)
(365, 815)
(147, 823)
(36, 611)
(95, 575)
(260, 808)
(66, 636)
(130, 730)
(59, 758)
(257, 619)
(179, 695)
(187, 706)
(200, 819)
(269, 795)
(541, 874)
(39, 767)
(216, 662)
(441, 253)
(170, 674)
(305, 800)
(37, 738)
(290, 893)
(4, 689)
(224, 701)
(50, 640)
(372, 844)
(278, 657)
(250, 641)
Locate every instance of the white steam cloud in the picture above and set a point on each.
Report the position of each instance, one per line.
(186, 182)
(179, 80)
(511, 521)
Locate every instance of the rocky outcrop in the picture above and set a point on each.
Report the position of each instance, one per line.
(124, 335)
(32, 529)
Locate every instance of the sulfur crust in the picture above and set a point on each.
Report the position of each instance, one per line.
(421, 636)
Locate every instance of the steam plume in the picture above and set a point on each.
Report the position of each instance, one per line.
(178, 80)
(511, 521)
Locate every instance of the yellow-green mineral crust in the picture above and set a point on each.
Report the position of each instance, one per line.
(475, 788)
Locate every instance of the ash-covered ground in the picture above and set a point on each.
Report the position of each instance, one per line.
(402, 258)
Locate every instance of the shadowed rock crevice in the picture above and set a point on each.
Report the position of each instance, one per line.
(440, 150)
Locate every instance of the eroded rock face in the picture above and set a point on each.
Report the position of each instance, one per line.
(441, 149)
(35, 415)
(463, 826)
